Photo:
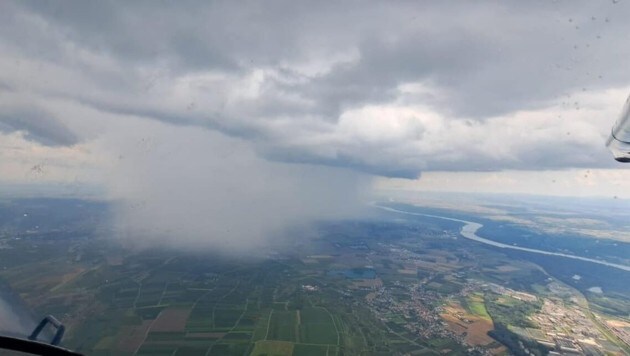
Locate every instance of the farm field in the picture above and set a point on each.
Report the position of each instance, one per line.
(359, 288)
(472, 326)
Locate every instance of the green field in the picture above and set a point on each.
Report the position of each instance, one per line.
(282, 326)
(477, 307)
(273, 348)
(313, 350)
(317, 327)
(226, 316)
(200, 319)
(156, 350)
(191, 351)
(286, 303)
(260, 330)
(228, 349)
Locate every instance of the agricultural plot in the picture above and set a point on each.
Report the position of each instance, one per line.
(163, 303)
(226, 316)
(161, 337)
(124, 293)
(201, 318)
(320, 333)
(158, 340)
(238, 336)
(191, 351)
(156, 350)
(260, 330)
(171, 319)
(228, 349)
(282, 326)
(273, 348)
(317, 327)
(471, 324)
(149, 313)
(132, 337)
(149, 295)
(314, 350)
(248, 321)
(174, 294)
(477, 307)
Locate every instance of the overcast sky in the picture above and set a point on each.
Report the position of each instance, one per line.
(89, 90)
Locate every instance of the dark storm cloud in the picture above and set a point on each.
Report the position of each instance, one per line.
(38, 126)
(341, 160)
(489, 58)
(492, 57)
(288, 75)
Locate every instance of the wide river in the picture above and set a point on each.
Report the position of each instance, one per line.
(469, 231)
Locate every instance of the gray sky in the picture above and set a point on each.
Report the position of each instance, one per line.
(117, 93)
(389, 88)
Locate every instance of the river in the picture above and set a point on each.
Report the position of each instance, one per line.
(469, 231)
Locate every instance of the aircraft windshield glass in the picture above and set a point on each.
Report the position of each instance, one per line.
(316, 178)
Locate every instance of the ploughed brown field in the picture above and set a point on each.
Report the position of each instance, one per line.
(476, 328)
(171, 320)
(133, 336)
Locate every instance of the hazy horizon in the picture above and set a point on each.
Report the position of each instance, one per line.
(234, 121)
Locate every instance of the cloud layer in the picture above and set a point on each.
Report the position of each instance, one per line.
(223, 122)
(385, 88)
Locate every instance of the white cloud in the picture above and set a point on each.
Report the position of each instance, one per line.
(125, 90)
(606, 183)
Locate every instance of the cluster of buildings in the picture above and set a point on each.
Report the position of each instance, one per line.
(522, 296)
(421, 318)
(309, 288)
(421, 311)
(621, 329)
(567, 330)
(561, 325)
